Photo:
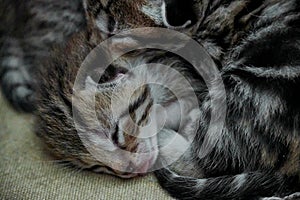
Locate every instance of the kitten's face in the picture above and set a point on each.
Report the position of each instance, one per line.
(122, 135)
(114, 124)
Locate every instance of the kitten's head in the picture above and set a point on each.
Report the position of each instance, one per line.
(93, 134)
(98, 138)
(121, 121)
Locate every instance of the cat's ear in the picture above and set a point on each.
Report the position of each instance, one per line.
(178, 13)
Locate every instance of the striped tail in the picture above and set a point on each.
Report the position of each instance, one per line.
(248, 186)
(16, 82)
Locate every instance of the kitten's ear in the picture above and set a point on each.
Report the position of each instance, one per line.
(178, 13)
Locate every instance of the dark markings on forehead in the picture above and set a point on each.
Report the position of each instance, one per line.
(136, 103)
(140, 100)
(146, 113)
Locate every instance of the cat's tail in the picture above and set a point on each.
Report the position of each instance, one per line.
(15, 80)
(242, 186)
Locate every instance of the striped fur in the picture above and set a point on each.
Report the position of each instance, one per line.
(256, 46)
(32, 27)
(55, 122)
(27, 34)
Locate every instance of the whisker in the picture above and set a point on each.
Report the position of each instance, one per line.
(74, 170)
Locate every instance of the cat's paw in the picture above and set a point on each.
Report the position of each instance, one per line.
(18, 89)
(20, 95)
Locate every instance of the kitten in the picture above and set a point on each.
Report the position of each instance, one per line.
(256, 47)
(111, 135)
(256, 154)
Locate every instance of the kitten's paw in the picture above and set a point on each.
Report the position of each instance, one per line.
(16, 79)
(20, 95)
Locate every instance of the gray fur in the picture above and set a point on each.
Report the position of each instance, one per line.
(27, 35)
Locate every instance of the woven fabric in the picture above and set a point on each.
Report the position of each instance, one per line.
(28, 172)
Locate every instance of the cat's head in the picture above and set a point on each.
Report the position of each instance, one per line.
(118, 122)
(98, 138)
(92, 134)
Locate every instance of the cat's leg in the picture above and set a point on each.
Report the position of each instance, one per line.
(16, 82)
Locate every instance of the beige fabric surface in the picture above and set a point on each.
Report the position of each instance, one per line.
(28, 172)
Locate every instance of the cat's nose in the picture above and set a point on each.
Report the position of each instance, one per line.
(178, 13)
